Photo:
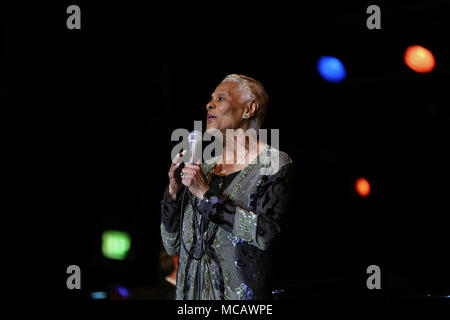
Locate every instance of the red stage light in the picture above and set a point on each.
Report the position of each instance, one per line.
(419, 59)
(362, 186)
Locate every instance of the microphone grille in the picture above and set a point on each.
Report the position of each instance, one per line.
(195, 136)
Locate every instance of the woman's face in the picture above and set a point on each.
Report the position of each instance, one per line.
(226, 107)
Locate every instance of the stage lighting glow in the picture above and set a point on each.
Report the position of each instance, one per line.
(98, 295)
(331, 69)
(362, 187)
(123, 291)
(419, 59)
(115, 244)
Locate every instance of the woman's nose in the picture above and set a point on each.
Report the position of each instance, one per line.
(209, 107)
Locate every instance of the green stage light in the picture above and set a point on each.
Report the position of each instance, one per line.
(115, 244)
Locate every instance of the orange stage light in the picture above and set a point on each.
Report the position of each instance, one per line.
(362, 186)
(419, 59)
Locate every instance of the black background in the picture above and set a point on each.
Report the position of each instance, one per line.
(91, 113)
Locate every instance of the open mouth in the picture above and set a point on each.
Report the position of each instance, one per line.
(210, 117)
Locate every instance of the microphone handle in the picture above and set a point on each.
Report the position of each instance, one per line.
(192, 152)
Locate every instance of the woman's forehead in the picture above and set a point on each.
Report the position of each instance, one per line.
(227, 87)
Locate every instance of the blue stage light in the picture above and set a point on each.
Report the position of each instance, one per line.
(123, 291)
(331, 69)
(98, 295)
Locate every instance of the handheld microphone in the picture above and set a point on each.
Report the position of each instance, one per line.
(195, 146)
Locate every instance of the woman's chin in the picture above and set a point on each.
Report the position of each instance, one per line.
(212, 129)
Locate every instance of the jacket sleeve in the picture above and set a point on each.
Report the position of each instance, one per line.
(260, 225)
(170, 222)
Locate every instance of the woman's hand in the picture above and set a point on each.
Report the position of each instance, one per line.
(174, 175)
(195, 180)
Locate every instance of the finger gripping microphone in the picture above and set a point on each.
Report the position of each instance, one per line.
(195, 146)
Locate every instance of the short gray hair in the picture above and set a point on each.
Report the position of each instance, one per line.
(253, 90)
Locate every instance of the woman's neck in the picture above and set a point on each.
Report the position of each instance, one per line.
(237, 154)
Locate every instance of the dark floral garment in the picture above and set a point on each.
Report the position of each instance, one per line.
(232, 258)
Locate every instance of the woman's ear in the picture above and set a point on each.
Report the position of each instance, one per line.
(252, 109)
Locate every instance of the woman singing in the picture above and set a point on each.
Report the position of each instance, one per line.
(232, 210)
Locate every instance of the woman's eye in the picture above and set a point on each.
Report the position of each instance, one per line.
(221, 98)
